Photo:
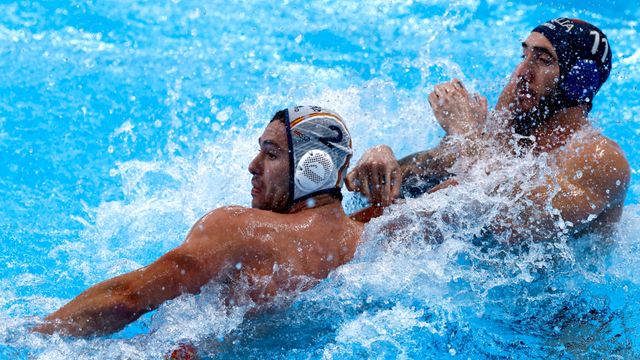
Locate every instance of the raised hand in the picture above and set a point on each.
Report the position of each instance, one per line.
(458, 112)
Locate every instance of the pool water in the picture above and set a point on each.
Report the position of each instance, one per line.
(123, 122)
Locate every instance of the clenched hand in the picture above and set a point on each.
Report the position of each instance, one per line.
(377, 176)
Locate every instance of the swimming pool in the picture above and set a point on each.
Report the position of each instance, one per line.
(122, 122)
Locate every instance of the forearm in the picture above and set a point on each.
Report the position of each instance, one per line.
(428, 164)
(109, 306)
(424, 170)
(104, 308)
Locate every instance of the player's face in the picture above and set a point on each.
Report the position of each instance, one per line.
(536, 77)
(270, 170)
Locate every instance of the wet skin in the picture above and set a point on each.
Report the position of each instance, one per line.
(593, 200)
(228, 244)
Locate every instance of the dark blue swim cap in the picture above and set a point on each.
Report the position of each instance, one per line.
(584, 56)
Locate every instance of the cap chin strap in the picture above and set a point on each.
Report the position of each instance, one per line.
(292, 169)
(334, 192)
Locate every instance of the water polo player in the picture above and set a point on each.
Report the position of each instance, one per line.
(296, 226)
(545, 104)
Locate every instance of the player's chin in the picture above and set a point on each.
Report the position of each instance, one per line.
(526, 104)
(256, 203)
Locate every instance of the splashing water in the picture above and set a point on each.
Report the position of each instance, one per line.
(123, 122)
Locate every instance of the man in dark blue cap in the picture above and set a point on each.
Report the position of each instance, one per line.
(544, 105)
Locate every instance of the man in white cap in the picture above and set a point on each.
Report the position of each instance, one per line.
(295, 233)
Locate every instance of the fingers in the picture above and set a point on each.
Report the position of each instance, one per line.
(375, 176)
(481, 108)
(365, 189)
(439, 91)
(350, 181)
(432, 99)
(377, 184)
(358, 181)
(460, 88)
(453, 87)
(443, 185)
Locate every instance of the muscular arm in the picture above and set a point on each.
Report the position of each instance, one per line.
(381, 178)
(110, 305)
(425, 169)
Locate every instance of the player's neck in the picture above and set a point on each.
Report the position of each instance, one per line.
(557, 130)
(324, 200)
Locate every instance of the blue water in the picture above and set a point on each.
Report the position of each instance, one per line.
(122, 122)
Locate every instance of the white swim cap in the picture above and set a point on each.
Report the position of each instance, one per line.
(319, 151)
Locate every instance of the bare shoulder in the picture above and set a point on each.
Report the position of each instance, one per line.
(238, 216)
(228, 220)
(242, 224)
(599, 152)
(598, 162)
(266, 227)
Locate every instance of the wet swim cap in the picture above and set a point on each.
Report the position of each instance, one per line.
(319, 151)
(584, 57)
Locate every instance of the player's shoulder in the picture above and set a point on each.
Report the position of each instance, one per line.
(242, 219)
(596, 147)
(229, 216)
(599, 157)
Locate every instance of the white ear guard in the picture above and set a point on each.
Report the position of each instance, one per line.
(315, 171)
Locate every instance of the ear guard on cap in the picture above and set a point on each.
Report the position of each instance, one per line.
(584, 58)
(314, 171)
(582, 81)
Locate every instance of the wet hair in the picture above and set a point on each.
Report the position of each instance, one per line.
(280, 115)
